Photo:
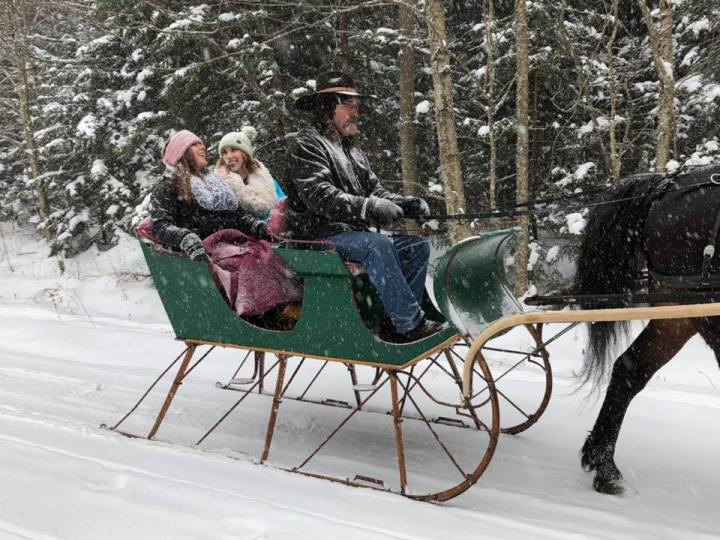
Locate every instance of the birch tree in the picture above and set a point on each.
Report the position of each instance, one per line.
(615, 155)
(662, 52)
(408, 158)
(445, 115)
(522, 253)
(15, 15)
(490, 93)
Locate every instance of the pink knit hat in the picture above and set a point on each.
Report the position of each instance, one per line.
(177, 145)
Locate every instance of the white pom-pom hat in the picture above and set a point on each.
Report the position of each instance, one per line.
(242, 139)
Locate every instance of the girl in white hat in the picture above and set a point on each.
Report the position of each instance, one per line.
(253, 185)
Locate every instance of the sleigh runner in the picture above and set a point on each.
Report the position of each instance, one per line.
(443, 400)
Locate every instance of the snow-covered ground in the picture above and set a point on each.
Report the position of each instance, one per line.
(77, 351)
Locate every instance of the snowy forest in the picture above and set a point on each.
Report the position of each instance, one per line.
(480, 105)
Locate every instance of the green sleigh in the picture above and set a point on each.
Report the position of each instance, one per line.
(418, 386)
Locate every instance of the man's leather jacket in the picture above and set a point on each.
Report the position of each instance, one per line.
(330, 182)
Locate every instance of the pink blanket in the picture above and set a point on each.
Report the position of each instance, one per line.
(253, 278)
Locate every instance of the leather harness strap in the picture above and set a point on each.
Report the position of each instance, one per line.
(704, 280)
(709, 250)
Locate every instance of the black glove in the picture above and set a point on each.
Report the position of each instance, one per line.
(260, 231)
(193, 247)
(383, 211)
(414, 207)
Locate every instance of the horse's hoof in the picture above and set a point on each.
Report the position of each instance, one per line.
(609, 486)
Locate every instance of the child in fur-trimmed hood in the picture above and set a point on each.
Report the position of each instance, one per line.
(253, 185)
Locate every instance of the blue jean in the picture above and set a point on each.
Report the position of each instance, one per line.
(396, 266)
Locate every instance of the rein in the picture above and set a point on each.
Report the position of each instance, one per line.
(666, 184)
(521, 209)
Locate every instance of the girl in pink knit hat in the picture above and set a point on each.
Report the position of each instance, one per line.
(191, 202)
(192, 207)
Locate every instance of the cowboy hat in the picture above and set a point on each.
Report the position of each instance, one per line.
(331, 82)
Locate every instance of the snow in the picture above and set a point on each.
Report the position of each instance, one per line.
(52, 107)
(82, 217)
(423, 107)
(73, 186)
(697, 160)
(534, 255)
(94, 44)
(692, 83)
(146, 115)
(144, 74)
(672, 165)
(575, 223)
(711, 92)
(52, 144)
(124, 96)
(690, 57)
(699, 25)
(87, 126)
(552, 254)
(583, 170)
(98, 168)
(79, 349)
(227, 17)
(668, 69)
(179, 25)
(580, 173)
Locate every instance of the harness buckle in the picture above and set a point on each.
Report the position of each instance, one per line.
(708, 254)
(715, 179)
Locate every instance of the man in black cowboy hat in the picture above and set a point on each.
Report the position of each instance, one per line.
(334, 195)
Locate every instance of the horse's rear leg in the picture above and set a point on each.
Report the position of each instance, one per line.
(710, 331)
(652, 349)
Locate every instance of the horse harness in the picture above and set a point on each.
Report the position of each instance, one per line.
(705, 280)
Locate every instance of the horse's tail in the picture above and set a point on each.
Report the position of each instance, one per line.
(610, 255)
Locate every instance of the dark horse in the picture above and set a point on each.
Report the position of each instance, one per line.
(661, 223)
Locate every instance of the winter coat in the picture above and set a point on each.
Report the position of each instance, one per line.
(173, 218)
(252, 277)
(256, 194)
(330, 181)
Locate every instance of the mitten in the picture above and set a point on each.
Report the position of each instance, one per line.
(193, 247)
(260, 230)
(383, 211)
(415, 207)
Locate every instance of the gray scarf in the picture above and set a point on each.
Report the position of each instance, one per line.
(212, 193)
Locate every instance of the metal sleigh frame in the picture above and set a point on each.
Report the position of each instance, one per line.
(413, 373)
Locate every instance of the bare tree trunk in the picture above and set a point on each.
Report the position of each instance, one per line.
(661, 43)
(490, 92)
(615, 160)
(343, 39)
(20, 50)
(445, 116)
(522, 252)
(408, 157)
(407, 103)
